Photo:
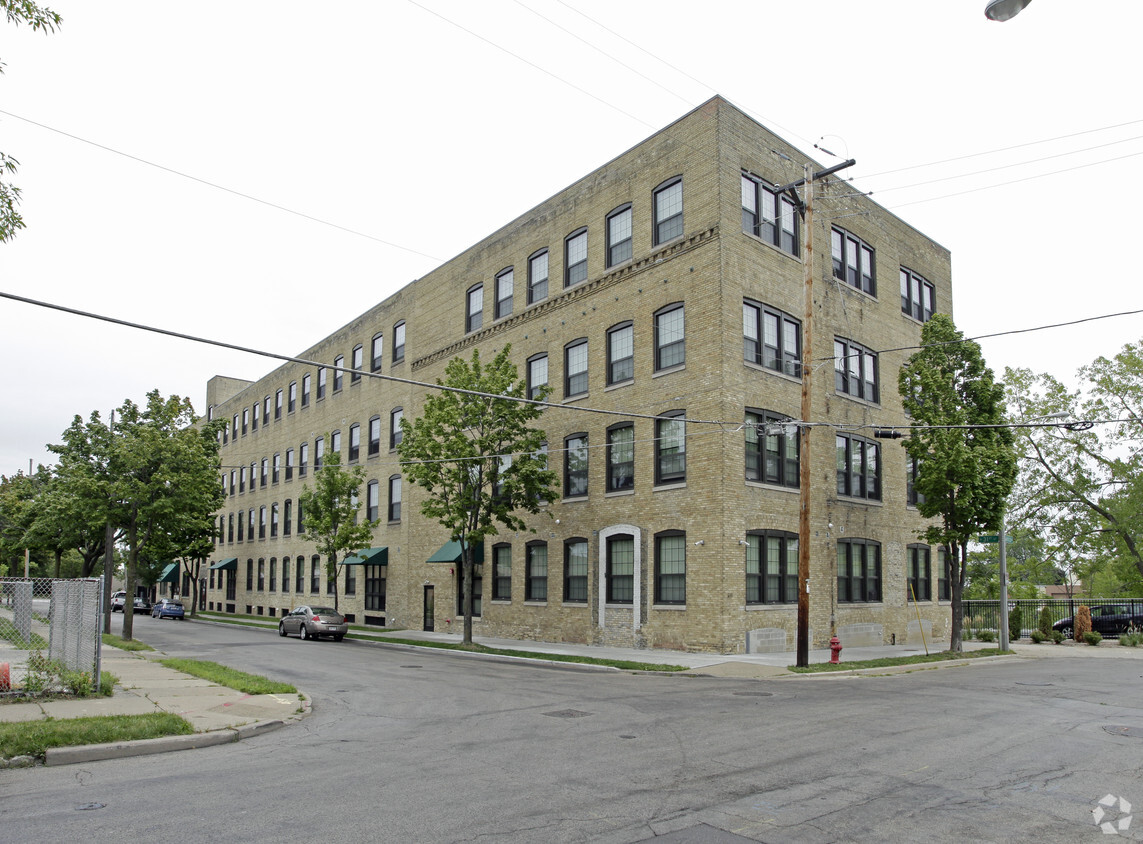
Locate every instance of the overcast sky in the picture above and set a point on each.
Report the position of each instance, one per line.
(156, 139)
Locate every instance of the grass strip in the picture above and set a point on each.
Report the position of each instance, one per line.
(114, 641)
(252, 684)
(32, 738)
(887, 662)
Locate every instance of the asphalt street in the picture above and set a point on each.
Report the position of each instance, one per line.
(417, 745)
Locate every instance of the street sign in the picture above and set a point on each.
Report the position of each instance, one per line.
(988, 538)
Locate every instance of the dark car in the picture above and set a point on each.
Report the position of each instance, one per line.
(1107, 620)
(313, 623)
(142, 605)
(167, 608)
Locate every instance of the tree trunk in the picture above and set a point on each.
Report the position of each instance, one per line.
(333, 568)
(129, 579)
(466, 568)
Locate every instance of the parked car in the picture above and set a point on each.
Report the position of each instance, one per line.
(118, 599)
(1107, 620)
(167, 608)
(313, 623)
(142, 605)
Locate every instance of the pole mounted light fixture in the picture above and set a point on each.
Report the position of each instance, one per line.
(1004, 10)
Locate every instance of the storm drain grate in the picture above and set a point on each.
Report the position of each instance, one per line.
(1130, 732)
(753, 694)
(567, 713)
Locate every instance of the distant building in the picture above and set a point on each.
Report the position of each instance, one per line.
(666, 288)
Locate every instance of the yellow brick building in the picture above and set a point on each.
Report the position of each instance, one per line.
(667, 288)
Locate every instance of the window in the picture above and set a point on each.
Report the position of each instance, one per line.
(300, 576)
(772, 448)
(771, 339)
(350, 580)
(374, 436)
(858, 467)
(538, 276)
(301, 518)
(920, 583)
(322, 377)
(274, 519)
(287, 521)
(254, 417)
(395, 432)
(230, 529)
(474, 313)
(277, 470)
(241, 524)
(771, 567)
(619, 236)
(289, 464)
(335, 442)
(242, 480)
(372, 501)
(575, 571)
(265, 476)
(338, 373)
(285, 574)
(669, 210)
(250, 524)
(233, 485)
(621, 353)
(398, 342)
(536, 572)
(575, 368)
(354, 443)
(671, 449)
(249, 575)
(620, 575)
(918, 297)
(855, 370)
(261, 521)
(537, 376)
(278, 404)
(245, 419)
(266, 410)
(374, 588)
(319, 453)
(395, 498)
(944, 575)
(858, 571)
(768, 216)
(852, 261)
(307, 380)
(261, 574)
(234, 427)
(315, 574)
(477, 590)
(671, 567)
(376, 351)
(504, 293)
(621, 457)
(670, 348)
(575, 258)
(356, 362)
(303, 459)
(575, 466)
(912, 468)
(502, 572)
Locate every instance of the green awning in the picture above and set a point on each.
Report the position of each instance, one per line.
(231, 563)
(450, 552)
(369, 557)
(170, 574)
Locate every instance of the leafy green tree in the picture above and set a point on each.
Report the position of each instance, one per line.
(1028, 568)
(332, 516)
(38, 18)
(18, 495)
(967, 460)
(474, 454)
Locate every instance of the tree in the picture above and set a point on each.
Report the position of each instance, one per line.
(331, 513)
(473, 453)
(39, 18)
(17, 514)
(965, 451)
(1028, 567)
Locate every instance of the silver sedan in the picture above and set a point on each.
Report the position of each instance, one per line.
(313, 623)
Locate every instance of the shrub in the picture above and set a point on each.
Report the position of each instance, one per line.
(1037, 636)
(1015, 623)
(986, 635)
(1045, 624)
(1082, 624)
(1092, 638)
(1131, 640)
(1057, 636)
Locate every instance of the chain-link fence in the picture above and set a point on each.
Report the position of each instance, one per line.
(50, 635)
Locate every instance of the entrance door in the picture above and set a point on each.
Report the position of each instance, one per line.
(429, 604)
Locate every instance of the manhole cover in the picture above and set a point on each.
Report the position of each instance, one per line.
(753, 694)
(567, 713)
(85, 807)
(627, 737)
(1131, 732)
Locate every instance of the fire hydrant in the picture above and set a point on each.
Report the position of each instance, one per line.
(835, 650)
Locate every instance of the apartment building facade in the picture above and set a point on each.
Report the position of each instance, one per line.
(661, 298)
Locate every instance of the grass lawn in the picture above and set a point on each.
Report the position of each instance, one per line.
(124, 645)
(32, 738)
(252, 684)
(919, 659)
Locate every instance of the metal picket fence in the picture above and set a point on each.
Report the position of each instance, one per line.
(985, 614)
(50, 634)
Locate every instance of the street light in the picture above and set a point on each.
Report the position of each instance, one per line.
(1003, 540)
(1004, 10)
